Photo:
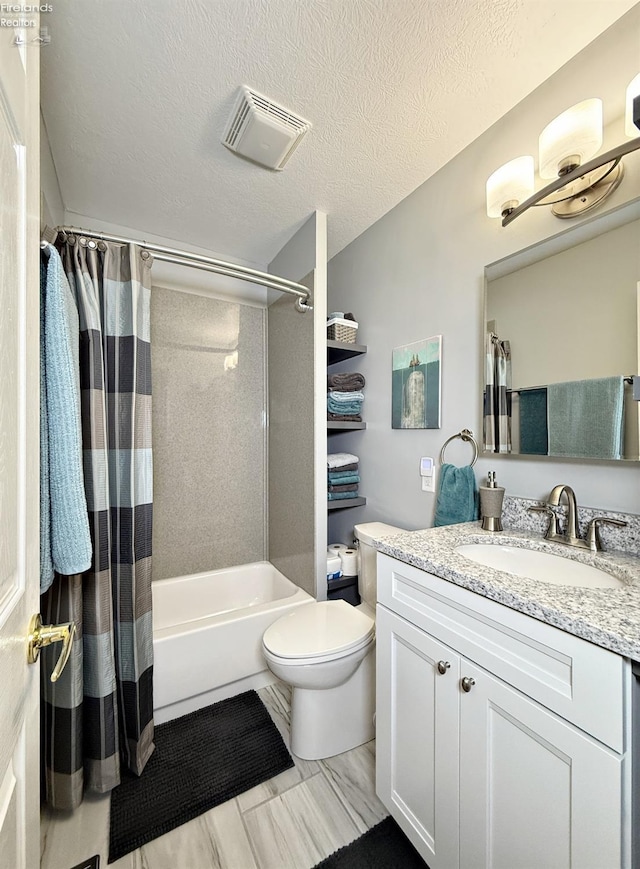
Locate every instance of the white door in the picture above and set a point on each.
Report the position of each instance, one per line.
(417, 736)
(534, 790)
(19, 452)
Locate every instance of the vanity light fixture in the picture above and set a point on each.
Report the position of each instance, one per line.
(567, 150)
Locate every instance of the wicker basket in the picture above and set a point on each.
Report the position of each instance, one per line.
(340, 332)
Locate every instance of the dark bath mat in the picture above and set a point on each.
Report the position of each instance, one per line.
(384, 846)
(201, 760)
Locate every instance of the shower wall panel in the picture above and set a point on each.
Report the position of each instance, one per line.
(209, 440)
(291, 433)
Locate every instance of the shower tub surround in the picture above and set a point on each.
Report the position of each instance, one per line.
(610, 618)
(208, 364)
(207, 634)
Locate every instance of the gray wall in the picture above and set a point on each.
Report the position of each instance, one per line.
(419, 271)
(208, 433)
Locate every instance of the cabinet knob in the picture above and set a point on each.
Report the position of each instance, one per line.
(443, 666)
(467, 683)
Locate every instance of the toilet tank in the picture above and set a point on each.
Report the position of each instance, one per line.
(365, 534)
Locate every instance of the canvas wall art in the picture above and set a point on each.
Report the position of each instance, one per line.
(415, 385)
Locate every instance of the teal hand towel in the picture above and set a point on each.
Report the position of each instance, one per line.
(534, 435)
(341, 496)
(586, 418)
(457, 496)
(343, 479)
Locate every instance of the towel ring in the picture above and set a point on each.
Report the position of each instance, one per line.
(465, 435)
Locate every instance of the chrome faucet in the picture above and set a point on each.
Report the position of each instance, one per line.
(570, 537)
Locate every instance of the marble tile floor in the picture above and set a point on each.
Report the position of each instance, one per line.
(292, 821)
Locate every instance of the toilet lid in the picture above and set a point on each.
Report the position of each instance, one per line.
(323, 628)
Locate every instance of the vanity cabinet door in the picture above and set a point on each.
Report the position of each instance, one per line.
(417, 737)
(534, 790)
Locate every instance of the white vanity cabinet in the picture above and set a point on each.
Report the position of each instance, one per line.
(530, 768)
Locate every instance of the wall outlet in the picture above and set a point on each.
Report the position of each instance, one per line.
(428, 483)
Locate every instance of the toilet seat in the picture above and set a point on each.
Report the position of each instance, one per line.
(319, 632)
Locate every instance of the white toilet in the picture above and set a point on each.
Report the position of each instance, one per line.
(326, 652)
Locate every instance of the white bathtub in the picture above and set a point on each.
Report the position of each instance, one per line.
(207, 634)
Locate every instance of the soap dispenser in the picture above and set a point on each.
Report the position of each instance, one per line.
(491, 497)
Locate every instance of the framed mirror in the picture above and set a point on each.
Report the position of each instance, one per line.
(561, 344)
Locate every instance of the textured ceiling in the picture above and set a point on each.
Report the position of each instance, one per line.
(136, 97)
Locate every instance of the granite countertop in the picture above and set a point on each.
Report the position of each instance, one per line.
(608, 617)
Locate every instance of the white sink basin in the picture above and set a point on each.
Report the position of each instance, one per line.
(542, 566)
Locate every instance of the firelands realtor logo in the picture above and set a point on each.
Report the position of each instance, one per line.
(27, 30)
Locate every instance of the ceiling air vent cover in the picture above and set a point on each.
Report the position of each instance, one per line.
(263, 131)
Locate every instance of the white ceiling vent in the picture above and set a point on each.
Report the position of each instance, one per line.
(263, 131)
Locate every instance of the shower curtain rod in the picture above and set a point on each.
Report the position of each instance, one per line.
(196, 261)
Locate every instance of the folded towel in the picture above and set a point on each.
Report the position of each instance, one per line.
(457, 499)
(343, 407)
(343, 461)
(337, 496)
(342, 487)
(343, 479)
(586, 418)
(349, 410)
(350, 381)
(344, 469)
(346, 397)
(68, 533)
(344, 417)
(534, 436)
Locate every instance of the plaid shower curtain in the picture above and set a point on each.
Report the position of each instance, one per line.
(98, 717)
(497, 395)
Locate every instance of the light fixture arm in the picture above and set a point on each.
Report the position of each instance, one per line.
(614, 154)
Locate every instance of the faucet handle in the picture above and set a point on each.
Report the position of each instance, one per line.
(552, 530)
(593, 531)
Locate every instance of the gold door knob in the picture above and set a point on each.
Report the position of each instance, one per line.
(43, 635)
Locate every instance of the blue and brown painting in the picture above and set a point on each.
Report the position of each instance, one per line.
(415, 385)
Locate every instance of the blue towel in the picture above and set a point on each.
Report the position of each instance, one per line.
(345, 397)
(339, 496)
(65, 538)
(586, 418)
(351, 407)
(46, 565)
(457, 495)
(534, 437)
(343, 479)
